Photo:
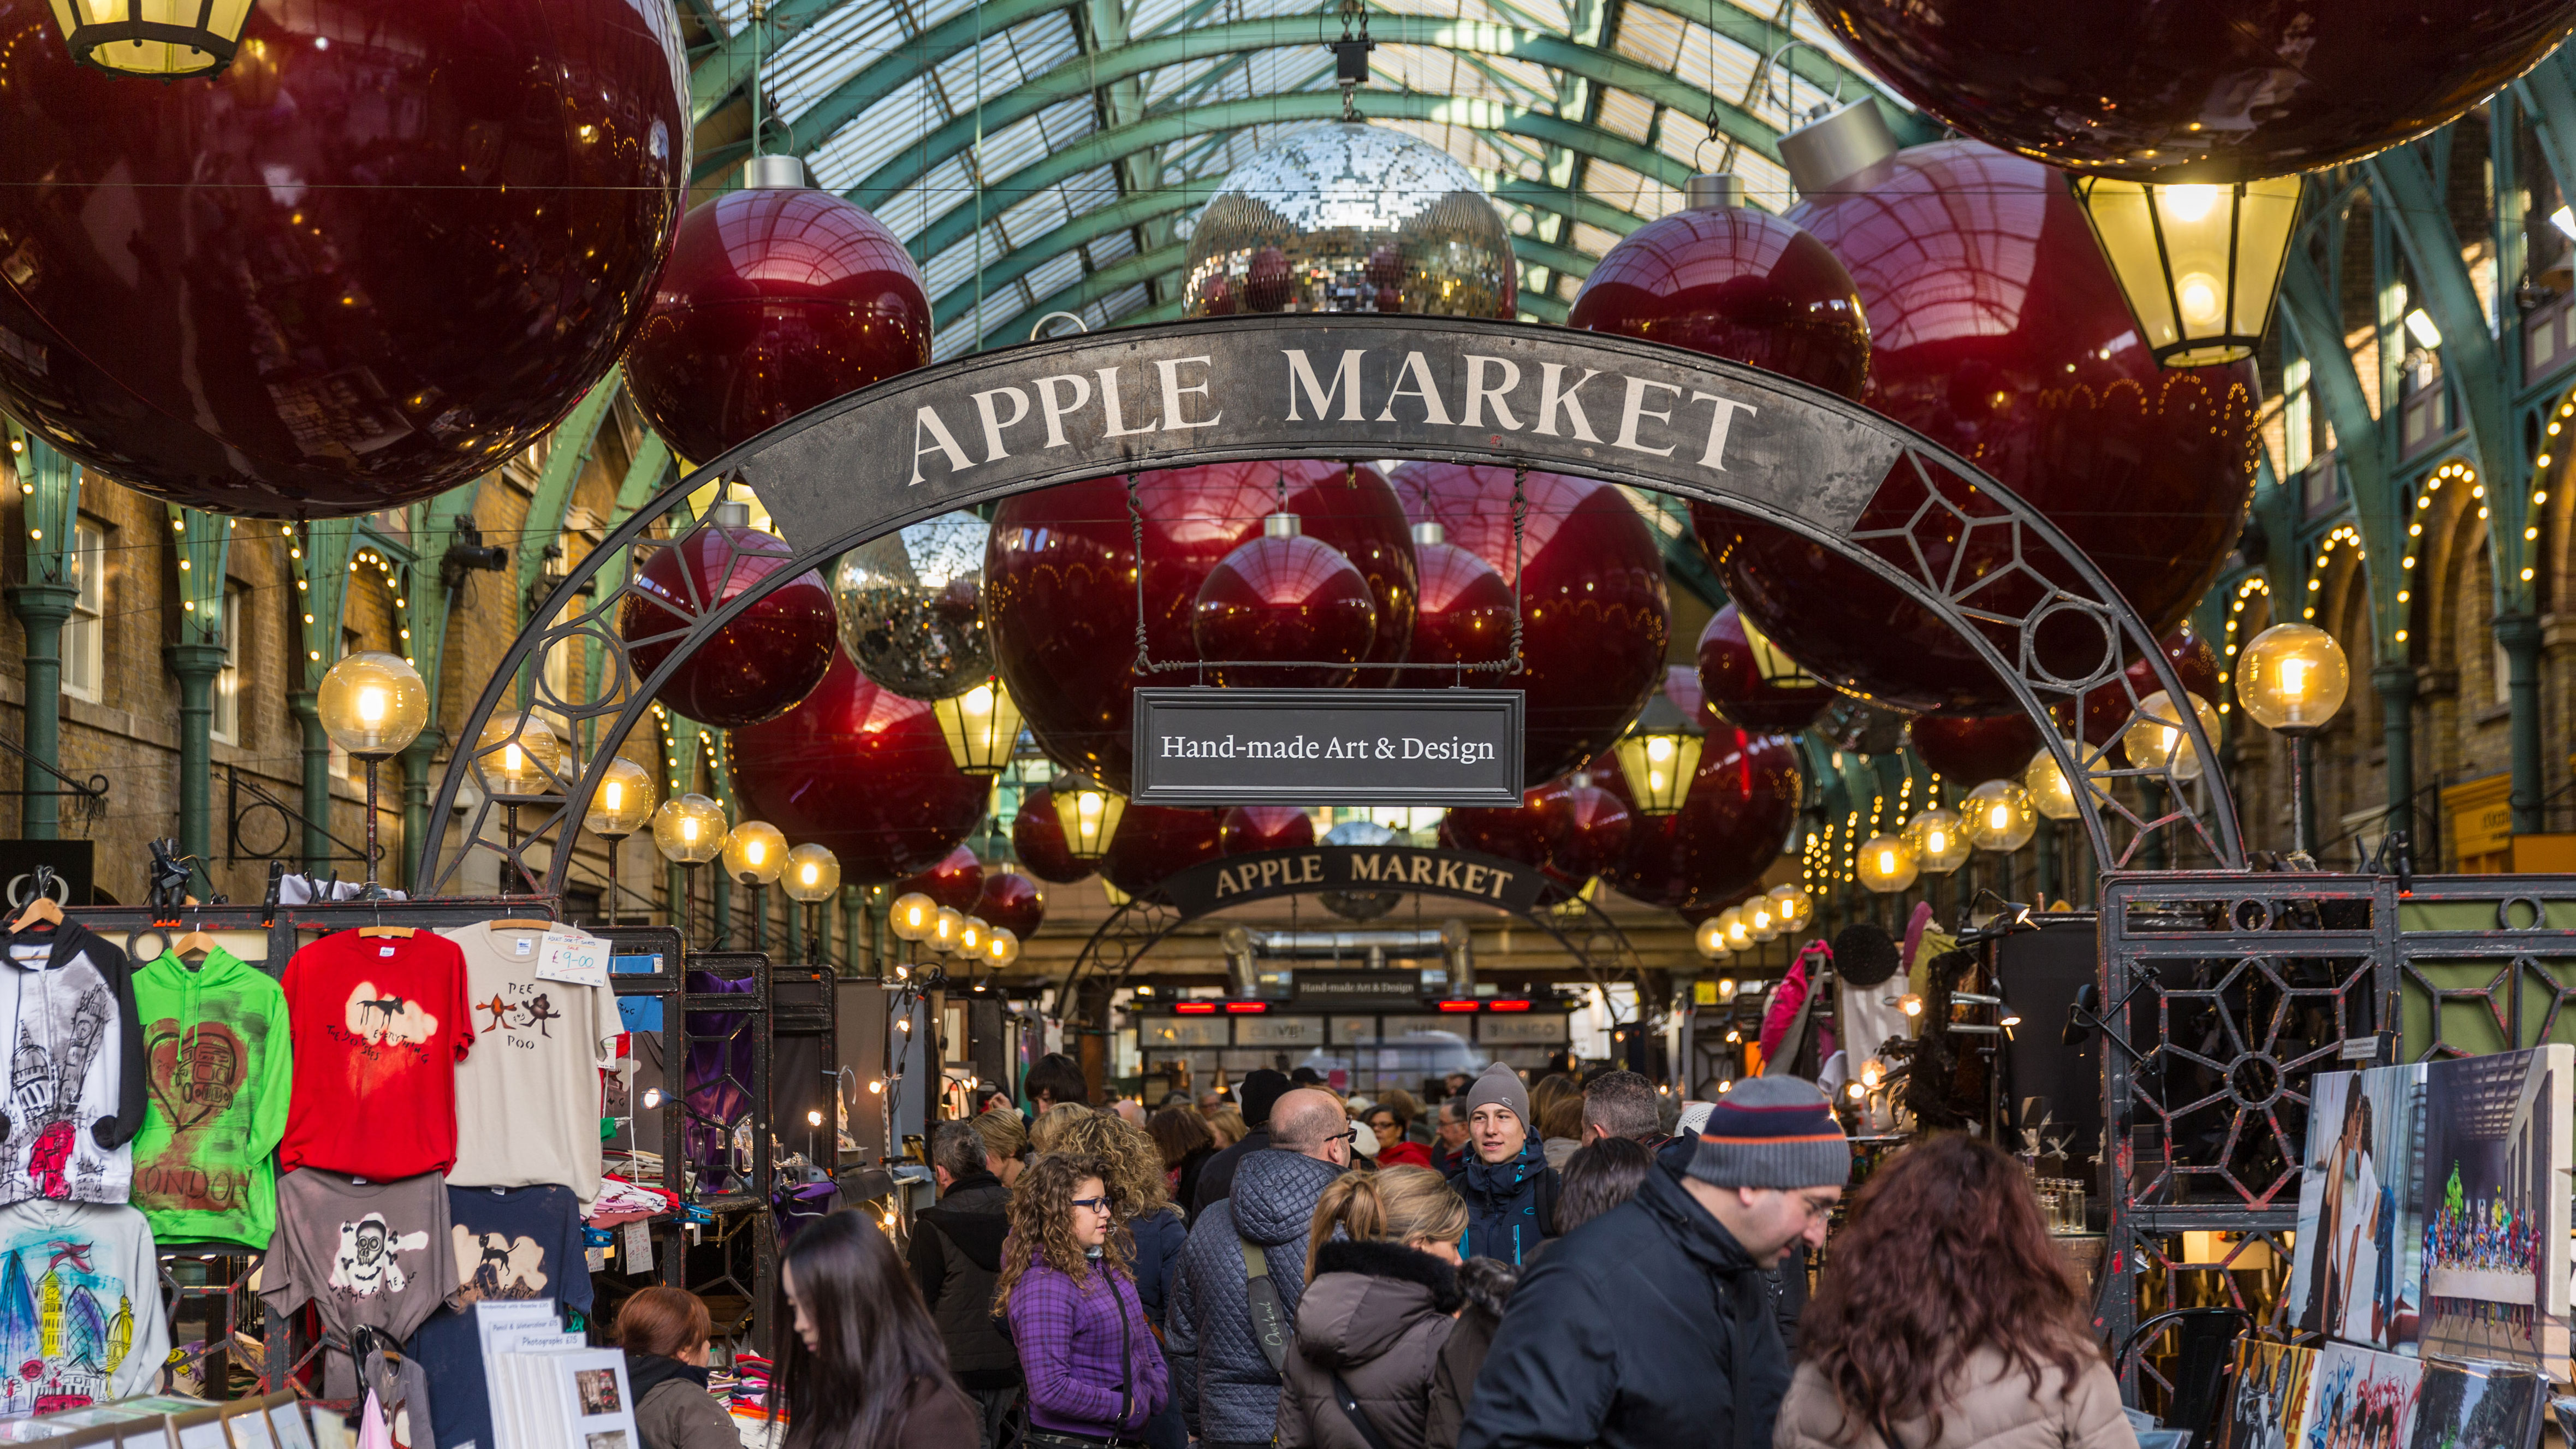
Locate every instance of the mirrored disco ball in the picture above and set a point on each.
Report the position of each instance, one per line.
(912, 607)
(1349, 217)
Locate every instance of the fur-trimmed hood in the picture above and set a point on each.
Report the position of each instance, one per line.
(1366, 1296)
(1487, 1283)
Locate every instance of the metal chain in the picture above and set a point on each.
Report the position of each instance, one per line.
(1520, 521)
(1136, 540)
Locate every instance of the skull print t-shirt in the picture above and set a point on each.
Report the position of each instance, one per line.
(380, 1023)
(220, 1069)
(509, 1243)
(367, 1254)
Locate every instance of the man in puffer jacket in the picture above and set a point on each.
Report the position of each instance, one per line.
(1227, 1388)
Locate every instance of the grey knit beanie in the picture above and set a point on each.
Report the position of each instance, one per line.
(1499, 1083)
(1776, 1132)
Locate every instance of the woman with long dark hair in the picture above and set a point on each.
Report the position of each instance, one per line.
(865, 1368)
(1183, 1138)
(1087, 1354)
(1947, 1318)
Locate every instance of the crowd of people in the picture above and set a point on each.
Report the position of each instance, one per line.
(1564, 1263)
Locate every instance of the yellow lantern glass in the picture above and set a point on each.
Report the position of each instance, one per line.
(2155, 737)
(1886, 864)
(372, 704)
(2292, 678)
(2044, 780)
(946, 926)
(755, 853)
(162, 38)
(1759, 922)
(982, 727)
(621, 802)
(518, 754)
(1997, 816)
(813, 873)
(1731, 921)
(1792, 906)
(1001, 946)
(2200, 265)
(1938, 839)
(913, 915)
(1659, 756)
(1089, 813)
(1710, 939)
(689, 829)
(971, 931)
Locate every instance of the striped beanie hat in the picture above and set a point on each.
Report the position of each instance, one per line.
(1776, 1132)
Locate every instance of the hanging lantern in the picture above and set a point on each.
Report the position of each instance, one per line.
(2200, 265)
(2155, 737)
(1088, 812)
(1659, 756)
(982, 727)
(1886, 864)
(1997, 816)
(1938, 843)
(163, 38)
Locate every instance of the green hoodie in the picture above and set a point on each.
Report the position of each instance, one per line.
(221, 1066)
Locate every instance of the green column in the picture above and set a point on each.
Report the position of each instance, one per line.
(305, 704)
(42, 610)
(196, 666)
(417, 763)
(2396, 686)
(2520, 636)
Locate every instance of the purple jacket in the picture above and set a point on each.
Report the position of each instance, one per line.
(1069, 1338)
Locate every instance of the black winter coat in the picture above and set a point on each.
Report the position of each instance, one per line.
(1647, 1328)
(956, 1258)
(1216, 1175)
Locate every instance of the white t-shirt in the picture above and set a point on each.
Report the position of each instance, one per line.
(527, 1096)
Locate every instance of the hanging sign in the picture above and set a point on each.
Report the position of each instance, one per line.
(1424, 747)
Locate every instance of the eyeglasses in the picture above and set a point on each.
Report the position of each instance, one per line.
(1095, 1204)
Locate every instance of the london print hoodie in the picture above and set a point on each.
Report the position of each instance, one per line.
(76, 1089)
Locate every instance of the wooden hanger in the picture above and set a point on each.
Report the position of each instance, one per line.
(534, 924)
(401, 932)
(195, 940)
(40, 912)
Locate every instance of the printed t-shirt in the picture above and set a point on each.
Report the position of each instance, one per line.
(379, 1025)
(527, 1100)
(75, 1068)
(221, 1070)
(512, 1242)
(80, 1306)
(367, 1254)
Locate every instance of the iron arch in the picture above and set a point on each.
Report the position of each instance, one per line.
(1331, 386)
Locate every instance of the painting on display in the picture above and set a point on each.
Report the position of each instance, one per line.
(2275, 1385)
(2477, 1406)
(2494, 1207)
(2357, 1275)
(2364, 1399)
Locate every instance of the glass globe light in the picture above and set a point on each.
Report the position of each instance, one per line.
(518, 755)
(1940, 844)
(2292, 678)
(1997, 816)
(689, 829)
(621, 802)
(947, 925)
(1886, 864)
(1001, 946)
(755, 853)
(1738, 936)
(1792, 906)
(1659, 756)
(2155, 736)
(971, 932)
(813, 873)
(1710, 939)
(912, 916)
(2046, 783)
(373, 704)
(1089, 812)
(982, 727)
(1759, 922)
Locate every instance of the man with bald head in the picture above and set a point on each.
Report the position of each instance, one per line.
(1223, 1375)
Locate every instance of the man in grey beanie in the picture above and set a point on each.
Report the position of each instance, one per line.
(1652, 1327)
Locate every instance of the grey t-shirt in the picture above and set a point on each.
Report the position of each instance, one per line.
(369, 1254)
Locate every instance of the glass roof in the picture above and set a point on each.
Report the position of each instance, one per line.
(1040, 157)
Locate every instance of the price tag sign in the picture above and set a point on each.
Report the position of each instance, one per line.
(579, 960)
(639, 1247)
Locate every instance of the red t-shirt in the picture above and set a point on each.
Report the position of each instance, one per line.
(379, 1023)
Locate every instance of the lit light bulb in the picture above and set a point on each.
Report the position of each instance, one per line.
(371, 705)
(1999, 818)
(1873, 1072)
(1936, 840)
(2188, 204)
(652, 1098)
(1852, 1090)
(904, 1024)
(813, 1119)
(2200, 298)
(876, 1085)
(2294, 677)
(1910, 1004)
(688, 829)
(614, 793)
(1887, 861)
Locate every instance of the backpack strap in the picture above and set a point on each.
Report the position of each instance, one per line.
(1358, 1416)
(1269, 1314)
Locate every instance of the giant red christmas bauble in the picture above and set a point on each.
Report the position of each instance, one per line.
(955, 881)
(1968, 752)
(385, 250)
(1730, 827)
(1284, 596)
(775, 299)
(863, 771)
(1156, 841)
(1736, 283)
(1037, 838)
(1999, 333)
(1509, 832)
(754, 668)
(1752, 682)
(1249, 829)
(2107, 710)
(1060, 587)
(1463, 617)
(1011, 901)
(2197, 90)
(1586, 827)
(1594, 612)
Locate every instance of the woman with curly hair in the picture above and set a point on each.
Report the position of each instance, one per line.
(1094, 1375)
(1155, 1229)
(1947, 1318)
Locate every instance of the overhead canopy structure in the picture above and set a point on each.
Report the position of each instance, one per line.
(1038, 156)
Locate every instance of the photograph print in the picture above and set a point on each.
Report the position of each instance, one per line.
(2477, 1406)
(2493, 1209)
(2269, 1408)
(598, 1391)
(2365, 1399)
(2357, 1275)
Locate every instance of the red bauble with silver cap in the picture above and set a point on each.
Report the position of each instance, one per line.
(1037, 838)
(864, 772)
(1464, 615)
(759, 664)
(1753, 683)
(955, 881)
(1012, 902)
(1971, 751)
(1586, 827)
(1283, 596)
(1158, 841)
(778, 298)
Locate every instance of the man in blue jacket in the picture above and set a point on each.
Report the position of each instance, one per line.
(1652, 1327)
